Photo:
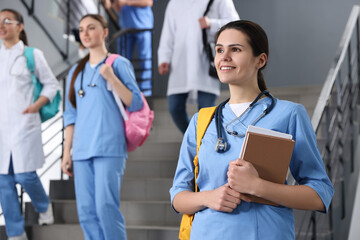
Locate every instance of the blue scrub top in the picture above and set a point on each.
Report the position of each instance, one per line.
(250, 220)
(99, 126)
(136, 17)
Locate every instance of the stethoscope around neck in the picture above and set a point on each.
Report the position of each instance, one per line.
(81, 91)
(221, 144)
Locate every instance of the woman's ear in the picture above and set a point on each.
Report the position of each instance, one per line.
(21, 27)
(262, 58)
(106, 32)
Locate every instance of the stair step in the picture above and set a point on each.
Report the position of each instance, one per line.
(134, 188)
(153, 213)
(150, 169)
(155, 151)
(74, 232)
(62, 189)
(142, 189)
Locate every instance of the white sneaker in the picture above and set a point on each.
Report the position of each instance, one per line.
(22, 237)
(46, 218)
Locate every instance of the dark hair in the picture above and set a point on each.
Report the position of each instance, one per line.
(82, 62)
(20, 19)
(256, 38)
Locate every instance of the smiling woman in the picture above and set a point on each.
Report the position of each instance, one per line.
(21, 150)
(222, 207)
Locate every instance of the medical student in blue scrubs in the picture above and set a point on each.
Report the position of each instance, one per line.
(95, 146)
(221, 209)
(137, 14)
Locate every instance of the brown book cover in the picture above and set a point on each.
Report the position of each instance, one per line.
(270, 156)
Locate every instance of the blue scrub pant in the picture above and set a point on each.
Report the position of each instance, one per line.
(177, 107)
(9, 200)
(97, 189)
(142, 40)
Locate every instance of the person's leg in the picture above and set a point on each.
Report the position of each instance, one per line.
(177, 109)
(206, 99)
(108, 177)
(144, 50)
(126, 45)
(85, 199)
(32, 185)
(14, 221)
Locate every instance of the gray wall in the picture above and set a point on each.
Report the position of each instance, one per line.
(304, 37)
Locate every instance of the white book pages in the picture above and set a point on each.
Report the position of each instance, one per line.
(268, 132)
(263, 131)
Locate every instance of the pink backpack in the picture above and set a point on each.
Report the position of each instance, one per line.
(138, 124)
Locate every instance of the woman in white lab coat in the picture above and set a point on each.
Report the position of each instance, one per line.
(181, 53)
(21, 151)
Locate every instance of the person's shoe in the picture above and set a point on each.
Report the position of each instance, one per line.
(21, 237)
(46, 218)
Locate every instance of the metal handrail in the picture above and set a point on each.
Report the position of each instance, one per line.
(337, 120)
(332, 75)
(125, 31)
(52, 40)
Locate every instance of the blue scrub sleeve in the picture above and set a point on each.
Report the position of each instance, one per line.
(124, 70)
(69, 115)
(184, 179)
(306, 164)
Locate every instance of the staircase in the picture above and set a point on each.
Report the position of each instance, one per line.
(145, 201)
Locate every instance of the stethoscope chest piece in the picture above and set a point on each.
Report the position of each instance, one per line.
(220, 145)
(81, 93)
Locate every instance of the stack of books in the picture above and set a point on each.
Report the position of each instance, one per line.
(270, 152)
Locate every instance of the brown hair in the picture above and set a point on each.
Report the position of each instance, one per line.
(82, 62)
(256, 38)
(20, 19)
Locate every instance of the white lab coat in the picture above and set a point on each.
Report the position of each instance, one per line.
(181, 43)
(20, 134)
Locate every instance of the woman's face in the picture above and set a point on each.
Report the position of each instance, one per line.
(10, 28)
(92, 33)
(234, 59)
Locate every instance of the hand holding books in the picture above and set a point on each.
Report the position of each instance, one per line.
(266, 154)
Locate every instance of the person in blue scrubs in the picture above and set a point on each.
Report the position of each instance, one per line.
(137, 14)
(221, 208)
(95, 144)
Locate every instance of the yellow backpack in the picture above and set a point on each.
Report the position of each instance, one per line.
(204, 119)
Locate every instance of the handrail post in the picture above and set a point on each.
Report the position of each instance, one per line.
(313, 220)
(63, 130)
(31, 10)
(68, 27)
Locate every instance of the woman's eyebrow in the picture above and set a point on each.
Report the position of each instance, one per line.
(90, 25)
(230, 45)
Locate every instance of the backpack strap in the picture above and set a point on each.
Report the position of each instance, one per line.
(30, 62)
(204, 118)
(111, 58)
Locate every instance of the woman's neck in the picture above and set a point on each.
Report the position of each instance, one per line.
(239, 94)
(97, 54)
(9, 43)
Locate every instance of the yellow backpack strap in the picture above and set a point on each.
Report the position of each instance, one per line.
(204, 119)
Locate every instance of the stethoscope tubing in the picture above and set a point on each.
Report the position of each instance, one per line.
(221, 144)
(81, 91)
